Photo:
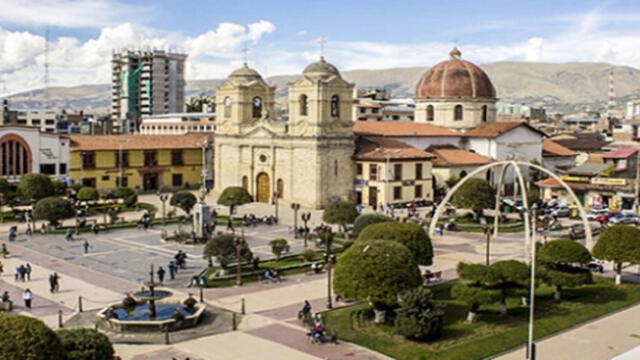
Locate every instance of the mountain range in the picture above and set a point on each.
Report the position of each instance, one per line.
(561, 87)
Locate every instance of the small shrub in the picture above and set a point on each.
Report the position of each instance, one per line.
(279, 246)
(365, 220)
(86, 344)
(88, 193)
(308, 255)
(26, 338)
(128, 195)
(418, 316)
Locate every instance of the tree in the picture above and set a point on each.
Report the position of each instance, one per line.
(223, 248)
(418, 315)
(340, 212)
(475, 287)
(59, 188)
(53, 209)
(376, 271)
(511, 278)
(563, 263)
(183, 199)
(408, 234)
(364, 220)
(452, 181)
(4, 186)
(88, 193)
(475, 194)
(278, 246)
(26, 338)
(86, 344)
(128, 195)
(35, 186)
(234, 196)
(619, 244)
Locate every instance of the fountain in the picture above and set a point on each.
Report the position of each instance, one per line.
(146, 310)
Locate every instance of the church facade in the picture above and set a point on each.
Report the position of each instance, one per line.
(305, 160)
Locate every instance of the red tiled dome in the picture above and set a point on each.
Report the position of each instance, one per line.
(455, 78)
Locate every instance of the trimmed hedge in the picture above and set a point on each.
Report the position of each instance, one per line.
(408, 234)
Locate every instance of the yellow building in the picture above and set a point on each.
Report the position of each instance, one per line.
(142, 162)
(389, 171)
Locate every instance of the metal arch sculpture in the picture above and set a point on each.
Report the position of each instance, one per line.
(516, 165)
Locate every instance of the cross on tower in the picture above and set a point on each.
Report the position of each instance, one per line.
(245, 51)
(322, 41)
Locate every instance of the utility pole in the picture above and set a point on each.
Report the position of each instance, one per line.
(295, 207)
(239, 243)
(531, 346)
(328, 239)
(487, 230)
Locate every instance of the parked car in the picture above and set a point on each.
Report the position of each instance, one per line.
(594, 213)
(577, 231)
(561, 211)
(624, 219)
(606, 216)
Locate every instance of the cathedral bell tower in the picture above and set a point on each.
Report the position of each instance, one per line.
(320, 102)
(243, 99)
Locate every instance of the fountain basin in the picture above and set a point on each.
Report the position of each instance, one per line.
(136, 319)
(145, 295)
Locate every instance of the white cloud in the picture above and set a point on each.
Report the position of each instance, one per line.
(69, 13)
(302, 33)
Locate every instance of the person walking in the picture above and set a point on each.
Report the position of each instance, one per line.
(86, 245)
(22, 270)
(69, 234)
(1, 268)
(229, 224)
(28, 271)
(161, 274)
(56, 282)
(172, 270)
(5, 252)
(52, 283)
(29, 232)
(43, 228)
(27, 296)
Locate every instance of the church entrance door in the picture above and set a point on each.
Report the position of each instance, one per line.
(263, 190)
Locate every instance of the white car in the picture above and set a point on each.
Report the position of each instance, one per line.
(594, 213)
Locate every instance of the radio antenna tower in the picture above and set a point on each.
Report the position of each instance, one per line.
(611, 104)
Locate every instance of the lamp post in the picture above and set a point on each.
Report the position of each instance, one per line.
(305, 218)
(329, 260)
(276, 196)
(295, 207)
(163, 198)
(487, 230)
(239, 242)
(531, 346)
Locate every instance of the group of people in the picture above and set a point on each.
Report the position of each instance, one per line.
(54, 282)
(179, 262)
(316, 334)
(23, 272)
(145, 222)
(271, 275)
(7, 304)
(252, 220)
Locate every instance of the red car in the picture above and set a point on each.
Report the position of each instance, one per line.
(606, 216)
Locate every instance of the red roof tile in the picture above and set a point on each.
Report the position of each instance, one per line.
(136, 142)
(622, 152)
(383, 128)
(376, 148)
(455, 156)
(552, 148)
(495, 129)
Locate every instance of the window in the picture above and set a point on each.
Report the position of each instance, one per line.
(122, 158)
(396, 117)
(484, 113)
(375, 110)
(373, 172)
(418, 191)
(335, 167)
(397, 193)
(48, 169)
(227, 107)
(176, 157)
(411, 117)
(430, 113)
(122, 181)
(397, 172)
(256, 107)
(457, 112)
(335, 106)
(304, 105)
(418, 171)
(105, 178)
(49, 121)
(90, 182)
(62, 168)
(176, 179)
(363, 110)
(88, 160)
(35, 122)
(150, 158)
(358, 169)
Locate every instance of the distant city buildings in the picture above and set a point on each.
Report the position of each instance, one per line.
(177, 123)
(519, 112)
(145, 83)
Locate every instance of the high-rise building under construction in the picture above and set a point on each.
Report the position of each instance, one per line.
(145, 83)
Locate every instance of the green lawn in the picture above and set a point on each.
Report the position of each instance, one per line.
(492, 333)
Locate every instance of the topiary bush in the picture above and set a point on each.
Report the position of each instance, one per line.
(475, 194)
(408, 234)
(86, 344)
(376, 271)
(620, 244)
(53, 209)
(128, 195)
(418, 315)
(223, 248)
(234, 196)
(184, 199)
(340, 213)
(563, 263)
(308, 255)
(26, 338)
(279, 246)
(88, 193)
(35, 186)
(365, 220)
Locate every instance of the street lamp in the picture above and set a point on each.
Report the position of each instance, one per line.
(305, 218)
(487, 230)
(239, 242)
(531, 346)
(163, 198)
(387, 155)
(276, 196)
(295, 207)
(329, 261)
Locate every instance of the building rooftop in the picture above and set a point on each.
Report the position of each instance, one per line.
(589, 169)
(453, 156)
(378, 148)
(380, 128)
(136, 142)
(621, 152)
(495, 129)
(552, 148)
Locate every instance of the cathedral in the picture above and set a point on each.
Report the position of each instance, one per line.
(305, 160)
(318, 154)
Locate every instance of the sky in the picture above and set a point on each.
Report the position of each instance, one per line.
(282, 36)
